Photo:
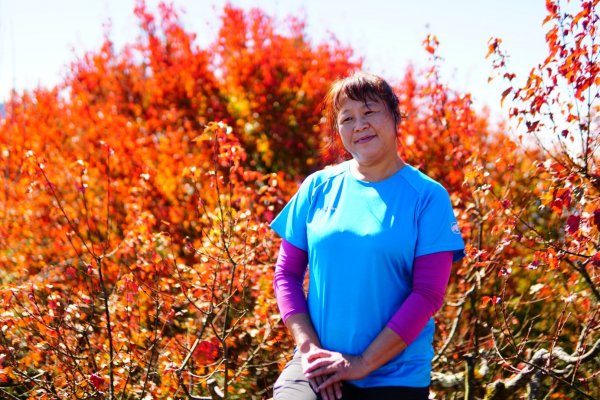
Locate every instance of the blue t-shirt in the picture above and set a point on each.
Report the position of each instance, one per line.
(362, 238)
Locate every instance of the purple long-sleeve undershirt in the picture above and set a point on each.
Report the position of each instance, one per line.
(289, 277)
(430, 279)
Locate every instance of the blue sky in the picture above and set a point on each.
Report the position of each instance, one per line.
(38, 38)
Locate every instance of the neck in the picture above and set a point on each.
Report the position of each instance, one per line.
(376, 172)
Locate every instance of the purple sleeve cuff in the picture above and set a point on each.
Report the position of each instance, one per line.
(289, 277)
(430, 279)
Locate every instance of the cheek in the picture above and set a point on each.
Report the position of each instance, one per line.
(345, 136)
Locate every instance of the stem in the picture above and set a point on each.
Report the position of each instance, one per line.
(224, 333)
(469, 377)
(583, 271)
(107, 199)
(470, 359)
(111, 388)
(154, 346)
(207, 321)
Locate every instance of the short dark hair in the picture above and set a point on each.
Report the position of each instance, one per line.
(360, 86)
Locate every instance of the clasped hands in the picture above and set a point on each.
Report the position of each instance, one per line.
(325, 371)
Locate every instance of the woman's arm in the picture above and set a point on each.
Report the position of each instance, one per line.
(289, 276)
(431, 273)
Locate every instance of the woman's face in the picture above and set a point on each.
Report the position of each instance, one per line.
(367, 130)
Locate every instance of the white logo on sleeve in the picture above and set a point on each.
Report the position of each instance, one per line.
(455, 228)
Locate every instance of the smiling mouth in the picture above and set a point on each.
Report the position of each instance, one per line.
(364, 139)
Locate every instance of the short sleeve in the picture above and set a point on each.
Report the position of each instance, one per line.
(437, 227)
(290, 223)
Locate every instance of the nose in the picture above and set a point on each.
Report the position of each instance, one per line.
(360, 124)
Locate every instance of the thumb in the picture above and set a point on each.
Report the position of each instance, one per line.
(313, 355)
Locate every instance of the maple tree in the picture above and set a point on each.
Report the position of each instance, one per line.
(558, 106)
(278, 119)
(134, 241)
(522, 315)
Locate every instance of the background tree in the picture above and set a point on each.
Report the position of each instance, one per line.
(137, 260)
(558, 107)
(523, 312)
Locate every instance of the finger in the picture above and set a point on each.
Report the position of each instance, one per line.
(329, 381)
(317, 354)
(323, 393)
(330, 392)
(337, 388)
(325, 382)
(313, 385)
(319, 367)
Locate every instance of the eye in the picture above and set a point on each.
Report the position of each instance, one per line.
(346, 119)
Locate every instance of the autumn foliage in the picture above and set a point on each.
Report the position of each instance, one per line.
(134, 243)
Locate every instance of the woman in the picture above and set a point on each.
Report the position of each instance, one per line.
(379, 238)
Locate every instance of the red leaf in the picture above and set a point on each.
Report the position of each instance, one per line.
(490, 299)
(551, 6)
(431, 43)
(269, 216)
(573, 223)
(207, 351)
(97, 381)
(71, 272)
(504, 94)
(493, 45)
(596, 218)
